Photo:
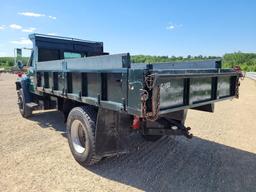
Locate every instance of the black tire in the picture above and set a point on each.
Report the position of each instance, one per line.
(25, 111)
(81, 125)
(152, 138)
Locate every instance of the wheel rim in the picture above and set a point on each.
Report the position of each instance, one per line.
(78, 136)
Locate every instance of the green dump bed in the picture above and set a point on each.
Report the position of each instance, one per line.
(144, 90)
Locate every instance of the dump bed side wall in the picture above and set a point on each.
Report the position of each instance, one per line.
(99, 81)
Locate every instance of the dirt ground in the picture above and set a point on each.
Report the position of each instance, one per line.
(34, 153)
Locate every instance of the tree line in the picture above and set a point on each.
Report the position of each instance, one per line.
(8, 62)
(163, 59)
(247, 61)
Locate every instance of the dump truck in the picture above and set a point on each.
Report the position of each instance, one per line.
(106, 98)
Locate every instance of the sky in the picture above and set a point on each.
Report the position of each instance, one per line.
(162, 27)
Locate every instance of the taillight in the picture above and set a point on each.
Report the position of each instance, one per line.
(20, 74)
(136, 122)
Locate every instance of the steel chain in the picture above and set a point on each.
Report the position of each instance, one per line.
(152, 116)
(150, 83)
(144, 98)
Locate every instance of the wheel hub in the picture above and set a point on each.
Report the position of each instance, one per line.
(78, 136)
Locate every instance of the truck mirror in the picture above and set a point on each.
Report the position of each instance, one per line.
(19, 53)
(20, 64)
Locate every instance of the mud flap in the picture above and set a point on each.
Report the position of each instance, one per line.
(112, 132)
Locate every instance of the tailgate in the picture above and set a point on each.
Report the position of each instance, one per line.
(182, 89)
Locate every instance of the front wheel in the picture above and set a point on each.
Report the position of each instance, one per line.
(25, 111)
(81, 125)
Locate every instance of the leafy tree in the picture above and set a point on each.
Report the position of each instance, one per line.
(247, 61)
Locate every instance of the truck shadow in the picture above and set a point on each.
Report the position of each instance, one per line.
(178, 164)
(50, 119)
(173, 164)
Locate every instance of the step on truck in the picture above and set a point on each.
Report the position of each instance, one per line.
(106, 98)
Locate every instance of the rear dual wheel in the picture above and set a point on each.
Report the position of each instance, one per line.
(81, 126)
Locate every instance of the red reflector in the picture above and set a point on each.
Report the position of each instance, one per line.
(19, 74)
(136, 122)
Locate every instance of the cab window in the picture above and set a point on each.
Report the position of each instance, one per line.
(70, 55)
(48, 54)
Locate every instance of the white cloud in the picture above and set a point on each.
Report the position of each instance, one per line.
(15, 26)
(19, 27)
(2, 27)
(22, 41)
(52, 17)
(31, 14)
(170, 27)
(29, 30)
